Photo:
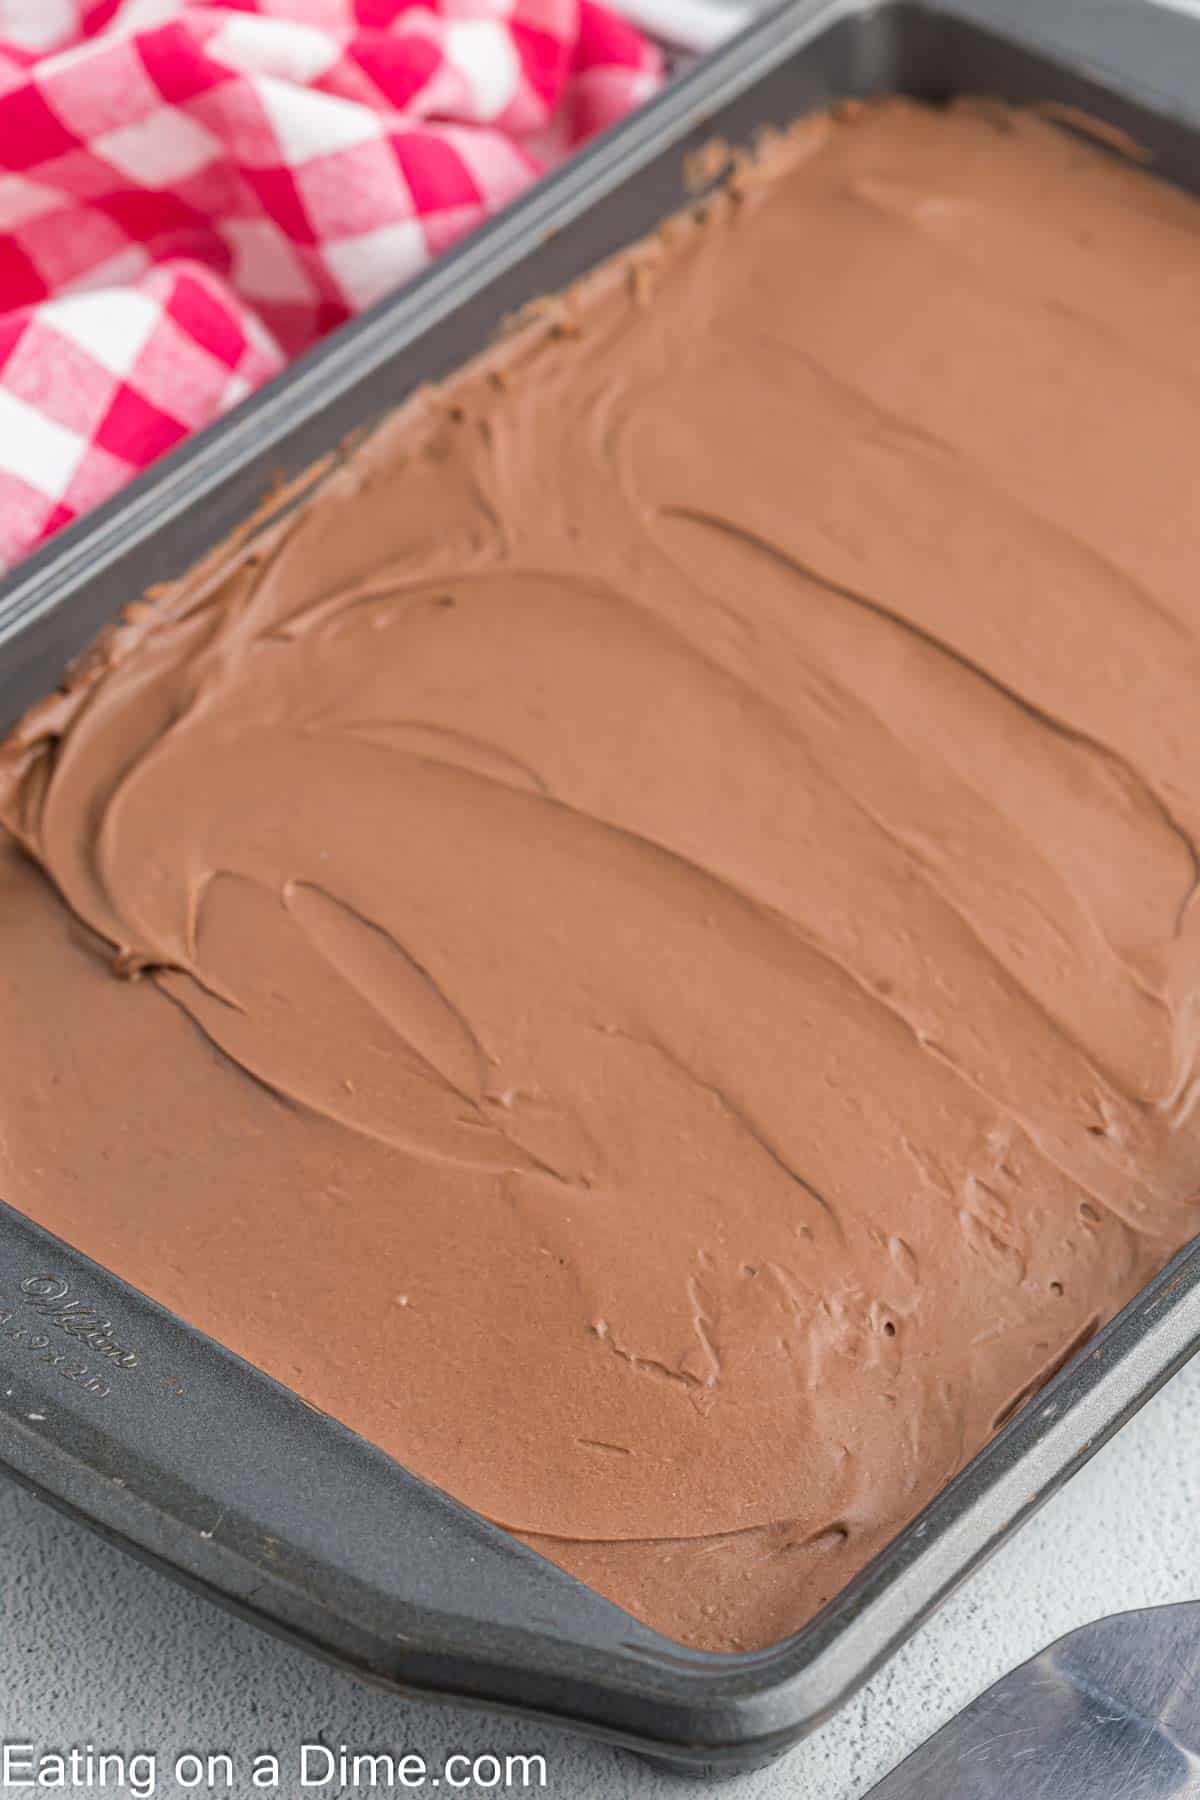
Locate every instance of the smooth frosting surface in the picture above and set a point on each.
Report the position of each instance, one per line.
(664, 893)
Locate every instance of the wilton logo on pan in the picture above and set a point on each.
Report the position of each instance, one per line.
(50, 1297)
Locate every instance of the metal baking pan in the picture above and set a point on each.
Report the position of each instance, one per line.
(116, 1411)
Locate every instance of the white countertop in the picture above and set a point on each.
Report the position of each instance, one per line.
(95, 1648)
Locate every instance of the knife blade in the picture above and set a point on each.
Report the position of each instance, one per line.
(1109, 1712)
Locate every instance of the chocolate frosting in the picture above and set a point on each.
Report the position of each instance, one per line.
(665, 884)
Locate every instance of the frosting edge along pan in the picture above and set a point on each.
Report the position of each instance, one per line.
(132, 1421)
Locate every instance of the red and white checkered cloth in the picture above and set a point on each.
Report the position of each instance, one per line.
(192, 191)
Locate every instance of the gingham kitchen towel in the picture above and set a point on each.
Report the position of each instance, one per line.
(192, 191)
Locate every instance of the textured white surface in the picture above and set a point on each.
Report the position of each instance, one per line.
(95, 1648)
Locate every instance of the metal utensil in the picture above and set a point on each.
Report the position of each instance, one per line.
(321, 1537)
(1109, 1712)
